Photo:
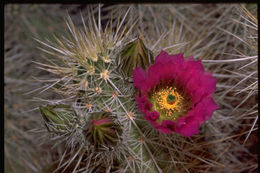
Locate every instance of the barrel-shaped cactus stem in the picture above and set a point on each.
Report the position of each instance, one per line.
(103, 96)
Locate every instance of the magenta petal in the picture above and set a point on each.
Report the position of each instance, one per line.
(189, 129)
(190, 124)
(139, 78)
(167, 126)
(192, 64)
(154, 77)
(154, 123)
(206, 108)
(143, 104)
(163, 58)
(154, 115)
(200, 86)
(187, 71)
(177, 59)
(164, 129)
(165, 67)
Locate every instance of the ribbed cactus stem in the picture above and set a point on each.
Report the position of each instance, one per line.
(104, 93)
(141, 151)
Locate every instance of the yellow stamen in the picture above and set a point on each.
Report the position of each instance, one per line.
(168, 102)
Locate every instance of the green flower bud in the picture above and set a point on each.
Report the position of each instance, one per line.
(135, 54)
(58, 118)
(102, 129)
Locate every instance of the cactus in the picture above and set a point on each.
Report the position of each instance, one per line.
(95, 70)
(90, 121)
(105, 99)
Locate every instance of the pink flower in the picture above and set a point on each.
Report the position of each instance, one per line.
(175, 94)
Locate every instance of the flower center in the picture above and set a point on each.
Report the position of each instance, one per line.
(169, 103)
(170, 99)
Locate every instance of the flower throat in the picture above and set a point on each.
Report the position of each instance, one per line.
(170, 103)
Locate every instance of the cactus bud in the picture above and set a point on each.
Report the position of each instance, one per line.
(135, 54)
(58, 118)
(102, 129)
